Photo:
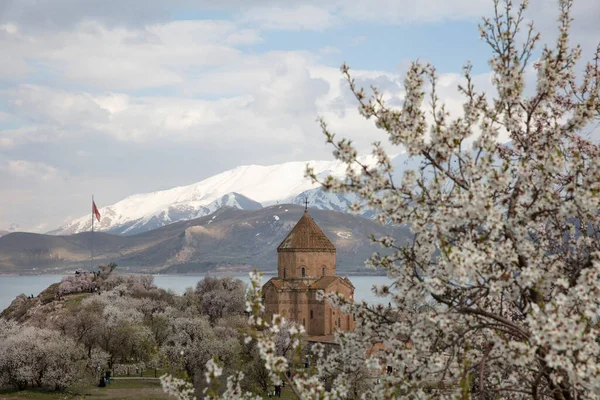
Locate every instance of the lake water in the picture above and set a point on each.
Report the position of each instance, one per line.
(12, 286)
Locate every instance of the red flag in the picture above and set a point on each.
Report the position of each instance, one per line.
(95, 211)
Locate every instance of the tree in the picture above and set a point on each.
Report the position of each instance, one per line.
(82, 323)
(38, 357)
(505, 237)
(193, 342)
(118, 327)
(81, 282)
(219, 297)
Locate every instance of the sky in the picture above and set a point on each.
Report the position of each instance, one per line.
(117, 97)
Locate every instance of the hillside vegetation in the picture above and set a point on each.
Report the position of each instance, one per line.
(90, 323)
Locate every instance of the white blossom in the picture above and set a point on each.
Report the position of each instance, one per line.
(497, 293)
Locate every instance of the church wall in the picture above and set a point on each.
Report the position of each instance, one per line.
(286, 304)
(317, 322)
(348, 322)
(271, 301)
(301, 315)
(296, 305)
(290, 304)
(334, 319)
(289, 264)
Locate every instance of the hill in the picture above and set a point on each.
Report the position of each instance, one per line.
(228, 240)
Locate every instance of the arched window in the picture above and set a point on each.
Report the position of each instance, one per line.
(284, 272)
(303, 272)
(323, 271)
(304, 322)
(311, 314)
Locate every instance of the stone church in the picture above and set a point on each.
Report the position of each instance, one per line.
(305, 265)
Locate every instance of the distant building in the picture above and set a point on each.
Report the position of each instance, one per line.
(305, 265)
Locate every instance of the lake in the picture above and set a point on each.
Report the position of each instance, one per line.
(12, 286)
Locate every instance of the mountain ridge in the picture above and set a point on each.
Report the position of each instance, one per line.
(229, 239)
(244, 187)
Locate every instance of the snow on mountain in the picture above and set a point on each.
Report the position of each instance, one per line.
(246, 187)
(322, 200)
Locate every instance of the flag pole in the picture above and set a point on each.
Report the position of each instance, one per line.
(92, 238)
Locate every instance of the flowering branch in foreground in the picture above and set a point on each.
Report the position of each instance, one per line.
(496, 295)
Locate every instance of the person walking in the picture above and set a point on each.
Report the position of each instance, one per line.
(107, 377)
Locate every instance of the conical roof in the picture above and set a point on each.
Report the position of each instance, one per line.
(306, 236)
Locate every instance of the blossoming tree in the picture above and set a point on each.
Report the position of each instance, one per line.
(505, 247)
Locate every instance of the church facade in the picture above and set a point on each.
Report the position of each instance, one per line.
(305, 265)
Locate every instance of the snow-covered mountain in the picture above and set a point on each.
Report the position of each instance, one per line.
(247, 187)
(322, 200)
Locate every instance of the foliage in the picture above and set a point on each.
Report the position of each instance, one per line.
(496, 296)
(219, 297)
(128, 323)
(37, 357)
(84, 281)
(506, 237)
(133, 283)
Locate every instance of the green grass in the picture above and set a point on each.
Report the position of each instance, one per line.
(73, 300)
(149, 373)
(133, 384)
(285, 394)
(33, 394)
(119, 389)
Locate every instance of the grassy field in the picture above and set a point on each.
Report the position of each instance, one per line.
(74, 300)
(125, 389)
(148, 373)
(285, 394)
(149, 389)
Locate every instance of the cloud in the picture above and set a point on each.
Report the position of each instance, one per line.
(307, 17)
(24, 135)
(407, 11)
(28, 169)
(38, 15)
(42, 105)
(125, 59)
(126, 99)
(329, 50)
(288, 93)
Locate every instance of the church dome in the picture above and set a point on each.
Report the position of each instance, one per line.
(306, 236)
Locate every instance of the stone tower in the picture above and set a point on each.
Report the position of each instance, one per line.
(305, 265)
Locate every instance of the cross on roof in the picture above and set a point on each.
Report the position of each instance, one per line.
(306, 204)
